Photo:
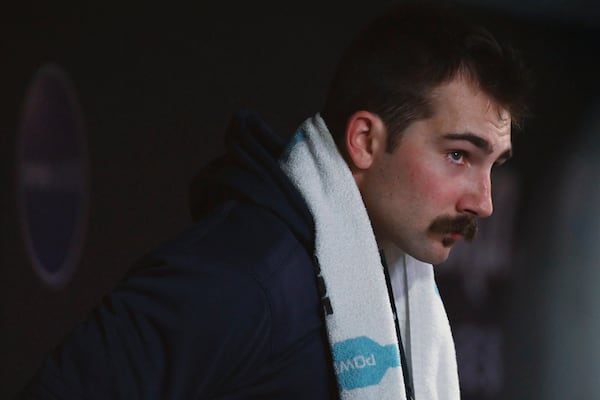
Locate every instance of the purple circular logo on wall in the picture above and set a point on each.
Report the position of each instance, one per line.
(52, 176)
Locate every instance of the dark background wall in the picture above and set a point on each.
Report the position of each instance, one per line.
(157, 86)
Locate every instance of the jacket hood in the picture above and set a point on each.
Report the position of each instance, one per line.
(250, 171)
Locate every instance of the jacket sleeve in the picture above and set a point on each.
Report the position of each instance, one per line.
(171, 331)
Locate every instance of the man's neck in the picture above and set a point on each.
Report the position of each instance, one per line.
(391, 253)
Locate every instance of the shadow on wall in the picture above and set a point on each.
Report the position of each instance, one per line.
(570, 279)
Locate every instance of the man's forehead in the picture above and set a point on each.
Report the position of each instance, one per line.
(502, 120)
(462, 101)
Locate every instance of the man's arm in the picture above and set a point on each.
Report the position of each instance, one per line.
(174, 329)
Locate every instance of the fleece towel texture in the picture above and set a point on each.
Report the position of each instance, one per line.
(359, 318)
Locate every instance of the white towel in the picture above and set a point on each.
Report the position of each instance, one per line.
(359, 319)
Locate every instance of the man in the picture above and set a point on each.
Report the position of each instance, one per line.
(307, 272)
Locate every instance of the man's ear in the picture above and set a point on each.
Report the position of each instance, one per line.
(365, 134)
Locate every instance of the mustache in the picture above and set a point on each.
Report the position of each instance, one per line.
(463, 224)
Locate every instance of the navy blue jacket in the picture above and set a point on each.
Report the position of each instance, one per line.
(229, 310)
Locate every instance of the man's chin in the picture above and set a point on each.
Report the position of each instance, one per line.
(435, 256)
(439, 259)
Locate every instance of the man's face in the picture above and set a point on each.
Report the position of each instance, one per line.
(423, 196)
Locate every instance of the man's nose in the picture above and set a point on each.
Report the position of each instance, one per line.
(477, 199)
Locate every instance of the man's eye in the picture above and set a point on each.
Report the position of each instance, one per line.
(456, 156)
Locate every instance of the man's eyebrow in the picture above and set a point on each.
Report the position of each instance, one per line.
(480, 143)
(477, 141)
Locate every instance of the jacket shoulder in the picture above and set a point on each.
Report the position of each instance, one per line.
(244, 244)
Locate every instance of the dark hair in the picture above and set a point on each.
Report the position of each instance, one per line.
(392, 66)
